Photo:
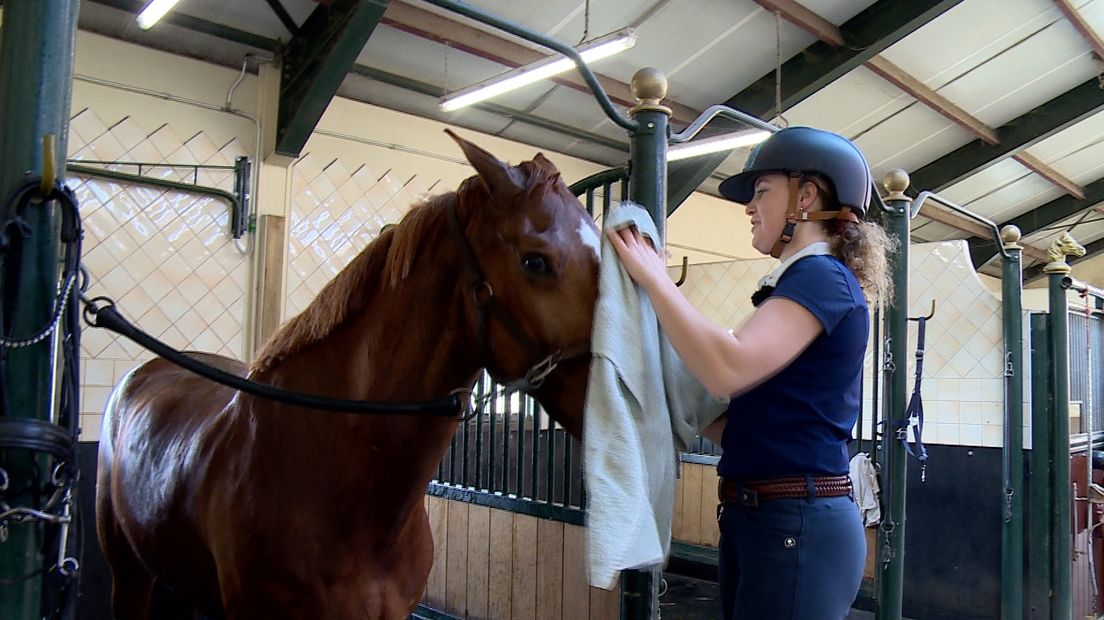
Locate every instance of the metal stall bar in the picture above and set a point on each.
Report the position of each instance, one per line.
(1042, 403)
(1012, 468)
(1012, 463)
(1060, 530)
(36, 67)
(893, 463)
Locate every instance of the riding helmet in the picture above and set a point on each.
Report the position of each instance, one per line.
(805, 149)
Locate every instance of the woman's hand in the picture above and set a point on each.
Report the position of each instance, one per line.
(644, 264)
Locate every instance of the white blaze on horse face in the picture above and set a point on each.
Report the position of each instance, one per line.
(588, 233)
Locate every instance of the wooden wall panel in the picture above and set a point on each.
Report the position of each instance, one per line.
(710, 532)
(496, 564)
(605, 604)
(479, 531)
(525, 568)
(456, 559)
(691, 503)
(678, 519)
(576, 597)
(501, 559)
(871, 552)
(438, 522)
(550, 553)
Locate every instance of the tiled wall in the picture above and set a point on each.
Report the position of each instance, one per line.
(166, 257)
(337, 209)
(963, 387)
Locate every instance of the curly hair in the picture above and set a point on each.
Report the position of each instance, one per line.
(863, 246)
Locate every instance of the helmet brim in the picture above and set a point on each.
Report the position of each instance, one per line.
(741, 187)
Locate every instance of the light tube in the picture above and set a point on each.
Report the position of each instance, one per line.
(153, 12)
(726, 142)
(599, 48)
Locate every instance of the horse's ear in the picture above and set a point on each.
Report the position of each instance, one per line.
(501, 179)
(545, 163)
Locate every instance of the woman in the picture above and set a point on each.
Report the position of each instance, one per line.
(792, 543)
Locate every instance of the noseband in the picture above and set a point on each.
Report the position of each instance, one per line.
(488, 306)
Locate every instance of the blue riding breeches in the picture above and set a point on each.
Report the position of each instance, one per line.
(790, 559)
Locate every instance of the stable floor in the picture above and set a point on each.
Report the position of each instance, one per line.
(688, 598)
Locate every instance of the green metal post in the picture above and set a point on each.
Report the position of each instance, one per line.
(1061, 534)
(891, 535)
(1042, 403)
(36, 65)
(648, 188)
(1012, 523)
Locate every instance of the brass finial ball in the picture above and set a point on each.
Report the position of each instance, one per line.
(896, 181)
(649, 84)
(1010, 234)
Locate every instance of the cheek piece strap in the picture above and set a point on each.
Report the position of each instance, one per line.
(794, 215)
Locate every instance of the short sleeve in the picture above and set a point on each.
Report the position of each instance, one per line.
(823, 286)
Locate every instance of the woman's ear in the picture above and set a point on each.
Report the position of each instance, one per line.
(807, 194)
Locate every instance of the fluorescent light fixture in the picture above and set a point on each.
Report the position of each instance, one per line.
(725, 142)
(153, 12)
(601, 47)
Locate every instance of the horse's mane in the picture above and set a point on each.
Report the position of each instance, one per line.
(392, 256)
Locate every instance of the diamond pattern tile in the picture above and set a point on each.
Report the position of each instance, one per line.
(963, 386)
(337, 209)
(165, 256)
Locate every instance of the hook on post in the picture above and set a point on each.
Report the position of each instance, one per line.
(49, 157)
(682, 276)
(930, 314)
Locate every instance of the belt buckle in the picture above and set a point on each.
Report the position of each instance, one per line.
(747, 497)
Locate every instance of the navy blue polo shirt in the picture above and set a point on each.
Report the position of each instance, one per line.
(800, 420)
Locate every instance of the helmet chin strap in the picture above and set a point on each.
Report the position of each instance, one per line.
(794, 215)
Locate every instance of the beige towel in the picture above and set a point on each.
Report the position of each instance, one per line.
(642, 406)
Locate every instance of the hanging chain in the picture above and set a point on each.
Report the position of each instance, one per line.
(586, 22)
(45, 332)
(782, 122)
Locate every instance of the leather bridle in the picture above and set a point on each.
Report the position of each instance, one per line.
(488, 308)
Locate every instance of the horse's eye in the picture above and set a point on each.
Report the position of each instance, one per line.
(535, 264)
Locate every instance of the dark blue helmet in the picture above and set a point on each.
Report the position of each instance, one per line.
(805, 149)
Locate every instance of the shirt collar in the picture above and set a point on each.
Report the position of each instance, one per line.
(813, 249)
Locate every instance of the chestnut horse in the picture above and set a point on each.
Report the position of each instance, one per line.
(249, 508)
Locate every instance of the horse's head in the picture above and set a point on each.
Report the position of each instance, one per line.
(538, 251)
(1065, 245)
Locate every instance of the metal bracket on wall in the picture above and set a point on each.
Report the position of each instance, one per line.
(240, 222)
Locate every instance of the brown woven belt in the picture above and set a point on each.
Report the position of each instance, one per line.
(751, 493)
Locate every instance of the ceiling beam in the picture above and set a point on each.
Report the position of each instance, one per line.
(917, 90)
(315, 64)
(284, 17)
(1042, 217)
(447, 31)
(805, 19)
(867, 34)
(1091, 250)
(1082, 27)
(1021, 132)
(969, 226)
(1038, 167)
(827, 32)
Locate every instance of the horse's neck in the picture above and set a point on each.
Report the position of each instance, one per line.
(411, 342)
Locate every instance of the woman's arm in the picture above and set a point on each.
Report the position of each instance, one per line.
(778, 331)
(715, 431)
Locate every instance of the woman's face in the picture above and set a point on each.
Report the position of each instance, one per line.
(767, 210)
